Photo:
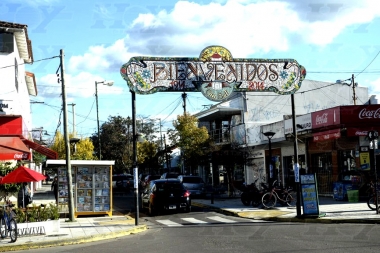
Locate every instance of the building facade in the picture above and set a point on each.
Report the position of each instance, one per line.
(239, 126)
(17, 85)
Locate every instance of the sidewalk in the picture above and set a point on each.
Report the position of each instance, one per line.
(84, 229)
(331, 211)
(89, 229)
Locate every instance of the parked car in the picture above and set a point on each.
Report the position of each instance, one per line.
(194, 184)
(123, 182)
(149, 178)
(165, 195)
(142, 181)
(169, 175)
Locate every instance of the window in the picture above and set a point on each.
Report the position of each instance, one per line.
(6, 42)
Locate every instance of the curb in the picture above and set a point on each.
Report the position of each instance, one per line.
(72, 241)
(292, 219)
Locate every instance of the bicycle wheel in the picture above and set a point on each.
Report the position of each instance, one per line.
(371, 202)
(13, 230)
(269, 200)
(291, 199)
(3, 228)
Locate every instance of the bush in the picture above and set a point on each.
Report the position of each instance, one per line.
(37, 213)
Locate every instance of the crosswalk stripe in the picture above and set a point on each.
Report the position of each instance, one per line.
(220, 219)
(169, 223)
(192, 220)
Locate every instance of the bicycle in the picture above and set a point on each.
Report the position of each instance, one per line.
(8, 224)
(284, 195)
(371, 202)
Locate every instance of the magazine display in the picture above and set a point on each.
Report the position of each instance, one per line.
(93, 189)
(63, 188)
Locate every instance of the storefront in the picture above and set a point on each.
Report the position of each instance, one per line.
(339, 149)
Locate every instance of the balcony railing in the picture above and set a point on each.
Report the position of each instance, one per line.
(220, 136)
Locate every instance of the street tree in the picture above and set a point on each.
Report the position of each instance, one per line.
(84, 148)
(193, 141)
(116, 139)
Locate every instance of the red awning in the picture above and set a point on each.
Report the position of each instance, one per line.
(12, 148)
(51, 154)
(362, 131)
(327, 135)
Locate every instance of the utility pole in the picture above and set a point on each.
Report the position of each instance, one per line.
(184, 96)
(72, 106)
(353, 89)
(67, 142)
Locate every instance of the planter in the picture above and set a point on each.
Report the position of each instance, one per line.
(47, 227)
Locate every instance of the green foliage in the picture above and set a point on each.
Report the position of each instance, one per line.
(8, 189)
(37, 213)
(116, 138)
(84, 148)
(193, 141)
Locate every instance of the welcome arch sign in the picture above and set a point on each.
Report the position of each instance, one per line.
(215, 73)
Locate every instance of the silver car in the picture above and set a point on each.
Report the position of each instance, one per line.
(194, 184)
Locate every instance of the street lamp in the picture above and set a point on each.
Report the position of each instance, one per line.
(270, 135)
(109, 83)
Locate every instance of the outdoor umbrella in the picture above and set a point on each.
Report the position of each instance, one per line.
(22, 175)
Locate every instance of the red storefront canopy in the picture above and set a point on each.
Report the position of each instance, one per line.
(12, 148)
(327, 135)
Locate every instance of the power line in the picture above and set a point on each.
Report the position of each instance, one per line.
(28, 63)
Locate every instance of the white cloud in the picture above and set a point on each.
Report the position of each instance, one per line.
(244, 27)
(374, 88)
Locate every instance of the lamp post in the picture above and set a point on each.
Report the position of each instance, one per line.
(134, 161)
(270, 135)
(109, 83)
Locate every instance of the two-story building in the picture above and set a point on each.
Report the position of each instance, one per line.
(252, 125)
(17, 85)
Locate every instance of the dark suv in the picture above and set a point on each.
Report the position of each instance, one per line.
(167, 175)
(123, 182)
(165, 195)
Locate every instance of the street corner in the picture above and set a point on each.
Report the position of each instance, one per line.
(263, 214)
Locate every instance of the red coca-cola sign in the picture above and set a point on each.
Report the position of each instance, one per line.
(328, 117)
(365, 115)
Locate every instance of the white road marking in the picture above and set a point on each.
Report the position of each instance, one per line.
(169, 223)
(220, 219)
(192, 220)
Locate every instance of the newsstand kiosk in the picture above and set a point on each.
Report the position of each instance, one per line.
(92, 185)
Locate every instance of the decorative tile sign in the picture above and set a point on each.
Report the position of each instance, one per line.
(215, 73)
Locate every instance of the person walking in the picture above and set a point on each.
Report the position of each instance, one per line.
(54, 188)
(23, 197)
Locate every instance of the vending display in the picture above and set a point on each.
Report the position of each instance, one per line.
(93, 189)
(92, 193)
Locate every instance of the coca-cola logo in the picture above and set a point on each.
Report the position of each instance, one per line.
(20, 156)
(361, 133)
(321, 119)
(367, 114)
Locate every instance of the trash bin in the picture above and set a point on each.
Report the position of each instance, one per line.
(353, 195)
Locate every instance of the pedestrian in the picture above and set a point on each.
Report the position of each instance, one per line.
(54, 188)
(24, 196)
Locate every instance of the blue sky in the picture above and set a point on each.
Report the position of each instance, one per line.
(331, 39)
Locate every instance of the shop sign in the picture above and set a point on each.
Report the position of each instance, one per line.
(303, 123)
(362, 114)
(215, 73)
(364, 161)
(5, 106)
(309, 194)
(326, 117)
(327, 135)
